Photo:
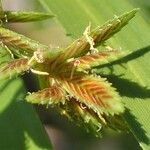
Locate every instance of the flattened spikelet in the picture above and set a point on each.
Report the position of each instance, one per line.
(95, 92)
(14, 68)
(52, 95)
(21, 16)
(99, 35)
(22, 44)
(98, 59)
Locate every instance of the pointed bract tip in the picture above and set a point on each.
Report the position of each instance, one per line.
(48, 15)
(135, 10)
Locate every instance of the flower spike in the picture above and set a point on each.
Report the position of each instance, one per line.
(65, 75)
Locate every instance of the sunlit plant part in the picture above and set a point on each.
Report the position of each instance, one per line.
(71, 86)
(20, 16)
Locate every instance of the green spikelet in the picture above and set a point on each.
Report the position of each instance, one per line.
(99, 35)
(89, 120)
(19, 16)
(111, 27)
(82, 116)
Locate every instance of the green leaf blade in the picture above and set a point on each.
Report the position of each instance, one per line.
(20, 127)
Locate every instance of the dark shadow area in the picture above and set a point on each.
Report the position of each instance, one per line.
(129, 139)
(134, 55)
(29, 79)
(7, 126)
(30, 82)
(136, 127)
(76, 138)
(127, 87)
(18, 120)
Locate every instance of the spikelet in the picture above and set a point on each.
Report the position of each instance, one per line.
(93, 60)
(50, 96)
(99, 35)
(82, 116)
(89, 120)
(22, 16)
(94, 92)
(21, 44)
(13, 68)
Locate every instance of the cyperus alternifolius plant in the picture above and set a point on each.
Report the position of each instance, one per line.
(66, 74)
